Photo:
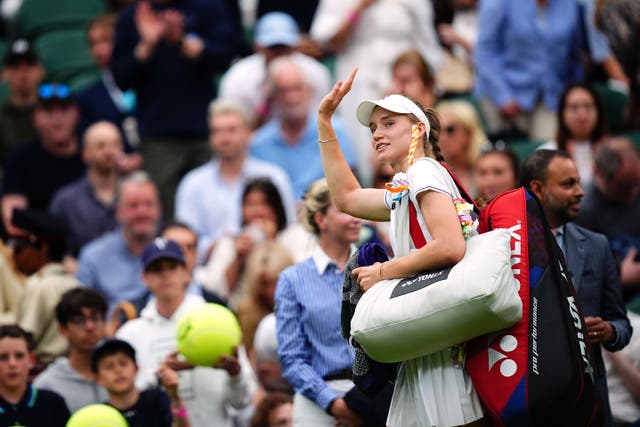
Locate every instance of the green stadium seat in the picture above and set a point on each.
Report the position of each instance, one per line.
(524, 147)
(4, 45)
(614, 104)
(83, 80)
(38, 16)
(64, 55)
(634, 136)
(4, 92)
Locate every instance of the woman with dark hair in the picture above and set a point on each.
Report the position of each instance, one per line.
(260, 193)
(262, 218)
(274, 410)
(582, 125)
(494, 172)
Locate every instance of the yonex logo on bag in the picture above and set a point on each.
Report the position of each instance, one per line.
(573, 309)
(516, 251)
(420, 281)
(507, 344)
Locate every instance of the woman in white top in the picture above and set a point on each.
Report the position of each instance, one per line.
(406, 136)
(263, 220)
(582, 125)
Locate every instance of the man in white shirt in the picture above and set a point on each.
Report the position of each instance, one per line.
(209, 197)
(276, 35)
(210, 395)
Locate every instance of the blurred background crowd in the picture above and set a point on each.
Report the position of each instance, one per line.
(194, 120)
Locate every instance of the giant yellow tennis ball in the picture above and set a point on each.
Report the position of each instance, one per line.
(97, 415)
(207, 332)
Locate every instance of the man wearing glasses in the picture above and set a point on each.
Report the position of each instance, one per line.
(38, 244)
(34, 171)
(81, 320)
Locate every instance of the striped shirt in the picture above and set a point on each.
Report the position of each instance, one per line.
(310, 345)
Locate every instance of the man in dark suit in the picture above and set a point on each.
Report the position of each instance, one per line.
(553, 177)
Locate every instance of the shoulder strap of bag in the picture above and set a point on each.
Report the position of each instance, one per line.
(414, 228)
(463, 191)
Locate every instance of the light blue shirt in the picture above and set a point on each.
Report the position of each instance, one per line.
(106, 265)
(518, 58)
(310, 345)
(598, 44)
(211, 205)
(301, 161)
(559, 233)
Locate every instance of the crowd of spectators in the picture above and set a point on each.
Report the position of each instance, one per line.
(199, 134)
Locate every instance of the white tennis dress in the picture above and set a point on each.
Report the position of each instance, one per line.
(432, 390)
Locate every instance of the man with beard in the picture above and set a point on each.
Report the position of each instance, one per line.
(88, 203)
(111, 264)
(290, 138)
(553, 177)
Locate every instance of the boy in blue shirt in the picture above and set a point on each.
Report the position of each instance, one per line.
(113, 361)
(21, 404)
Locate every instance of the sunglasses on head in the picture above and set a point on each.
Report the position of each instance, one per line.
(50, 91)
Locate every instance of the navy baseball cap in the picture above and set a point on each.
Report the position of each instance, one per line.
(161, 248)
(108, 347)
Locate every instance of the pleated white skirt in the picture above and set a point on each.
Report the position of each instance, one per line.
(432, 391)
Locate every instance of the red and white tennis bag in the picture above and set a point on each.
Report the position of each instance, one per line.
(539, 371)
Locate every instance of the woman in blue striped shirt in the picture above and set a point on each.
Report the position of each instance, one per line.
(315, 359)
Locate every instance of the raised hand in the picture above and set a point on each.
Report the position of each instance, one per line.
(330, 102)
(174, 25)
(149, 24)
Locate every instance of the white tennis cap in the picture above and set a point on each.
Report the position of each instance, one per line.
(395, 103)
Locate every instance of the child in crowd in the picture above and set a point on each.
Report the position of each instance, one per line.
(21, 404)
(113, 361)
